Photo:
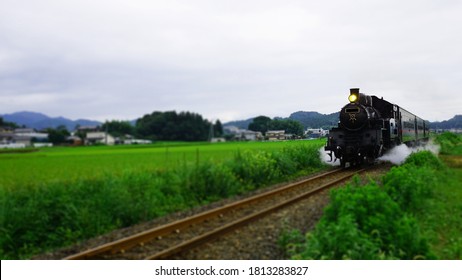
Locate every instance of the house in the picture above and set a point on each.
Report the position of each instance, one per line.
(316, 133)
(99, 138)
(243, 134)
(273, 135)
(74, 140)
(6, 137)
(27, 136)
(250, 135)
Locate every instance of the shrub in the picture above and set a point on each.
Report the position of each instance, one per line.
(256, 168)
(209, 181)
(413, 182)
(364, 223)
(409, 186)
(340, 240)
(424, 159)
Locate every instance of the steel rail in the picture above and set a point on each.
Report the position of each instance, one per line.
(209, 236)
(141, 238)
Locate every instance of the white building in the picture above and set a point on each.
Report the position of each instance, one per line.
(99, 138)
(316, 132)
(243, 134)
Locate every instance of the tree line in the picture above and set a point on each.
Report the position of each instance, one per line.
(157, 126)
(173, 126)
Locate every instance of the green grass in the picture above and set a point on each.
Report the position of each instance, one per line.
(442, 220)
(450, 143)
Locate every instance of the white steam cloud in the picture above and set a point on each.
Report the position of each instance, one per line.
(326, 158)
(398, 154)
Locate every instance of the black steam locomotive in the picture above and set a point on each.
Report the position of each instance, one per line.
(369, 126)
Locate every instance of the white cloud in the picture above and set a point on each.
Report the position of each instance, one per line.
(228, 59)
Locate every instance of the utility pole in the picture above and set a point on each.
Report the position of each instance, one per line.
(105, 135)
(211, 132)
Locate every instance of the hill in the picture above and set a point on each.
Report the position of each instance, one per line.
(307, 119)
(455, 122)
(41, 121)
(315, 119)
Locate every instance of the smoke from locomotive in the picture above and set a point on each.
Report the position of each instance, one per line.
(369, 126)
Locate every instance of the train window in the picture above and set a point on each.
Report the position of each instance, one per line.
(352, 110)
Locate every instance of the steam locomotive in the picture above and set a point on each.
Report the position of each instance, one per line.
(369, 126)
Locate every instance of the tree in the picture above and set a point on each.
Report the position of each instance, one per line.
(218, 129)
(184, 126)
(260, 123)
(290, 126)
(58, 135)
(3, 123)
(118, 128)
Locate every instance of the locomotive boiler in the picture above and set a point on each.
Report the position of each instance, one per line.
(369, 126)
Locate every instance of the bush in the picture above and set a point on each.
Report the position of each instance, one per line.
(424, 159)
(256, 168)
(209, 181)
(363, 223)
(340, 240)
(411, 184)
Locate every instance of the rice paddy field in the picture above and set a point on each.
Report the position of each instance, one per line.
(75, 163)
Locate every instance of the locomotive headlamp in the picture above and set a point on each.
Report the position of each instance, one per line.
(354, 95)
(353, 98)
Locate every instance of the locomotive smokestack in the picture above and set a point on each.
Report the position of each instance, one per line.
(354, 91)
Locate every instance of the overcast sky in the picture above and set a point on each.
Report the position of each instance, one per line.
(121, 59)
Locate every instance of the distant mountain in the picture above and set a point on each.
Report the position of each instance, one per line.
(307, 119)
(244, 124)
(41, 121)
(455, 122)
(315, 119)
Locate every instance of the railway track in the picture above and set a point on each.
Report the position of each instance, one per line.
(165, 241)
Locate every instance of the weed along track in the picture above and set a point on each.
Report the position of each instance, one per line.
(168, 240)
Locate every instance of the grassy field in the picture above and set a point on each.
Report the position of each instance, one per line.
(68, 164)
(57, 196)
(442, 220)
